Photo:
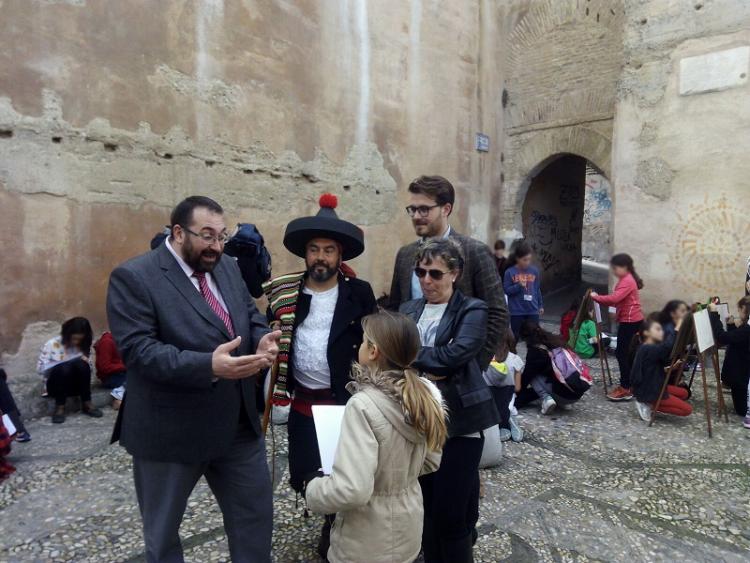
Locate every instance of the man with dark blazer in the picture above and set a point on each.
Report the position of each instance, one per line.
(192, 338)
(431, 200)
(320, 314)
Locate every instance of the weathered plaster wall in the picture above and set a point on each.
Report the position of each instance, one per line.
(552, 221)
(681, 173)
(111, 112)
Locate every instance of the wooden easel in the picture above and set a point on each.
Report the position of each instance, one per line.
(587, 303)
(688, 336)
(603, 355)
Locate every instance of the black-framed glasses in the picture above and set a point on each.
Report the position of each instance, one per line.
(208, 238)
(421, 210)
(436, 275)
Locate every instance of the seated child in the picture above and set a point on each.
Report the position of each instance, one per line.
(503, 376)
(585, 341)
(538, 380)
(652, 353)
(735, 371)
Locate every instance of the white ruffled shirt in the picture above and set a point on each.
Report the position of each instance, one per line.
(310, 358)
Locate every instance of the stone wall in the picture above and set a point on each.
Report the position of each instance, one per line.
(111, 112)
(682, 135)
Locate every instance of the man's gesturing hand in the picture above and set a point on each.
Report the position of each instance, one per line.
(227, 366)
(269, 345)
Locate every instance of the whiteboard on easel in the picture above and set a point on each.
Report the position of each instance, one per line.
(703, 331)
(598, 313)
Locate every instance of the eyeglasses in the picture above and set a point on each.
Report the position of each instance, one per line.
(436, 275)
(208, 238)
(421, 210)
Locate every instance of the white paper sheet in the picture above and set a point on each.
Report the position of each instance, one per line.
(723, 310)
(703, 330)
(9, 426)
(598, 313)
(327, 420)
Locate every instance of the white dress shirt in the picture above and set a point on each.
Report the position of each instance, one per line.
(310, 356)
(189, 273)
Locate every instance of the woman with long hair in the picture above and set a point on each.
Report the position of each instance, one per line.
(64, 363)
(393, 431)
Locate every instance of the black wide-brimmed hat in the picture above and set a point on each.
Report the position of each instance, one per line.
(326, 224)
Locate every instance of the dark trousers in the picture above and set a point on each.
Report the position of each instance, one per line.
(114, 380)
(517, 320)
(502, 396)
(625, 334)
(304, 457)
(451, 502)
(239, 480)
(8, 406)
(70, 379)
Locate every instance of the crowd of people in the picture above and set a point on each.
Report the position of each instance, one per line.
(424, 373)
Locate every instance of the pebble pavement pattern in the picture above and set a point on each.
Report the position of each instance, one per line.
(591, 483)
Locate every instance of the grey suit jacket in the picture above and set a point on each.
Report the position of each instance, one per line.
(166, 334)
(479, 279)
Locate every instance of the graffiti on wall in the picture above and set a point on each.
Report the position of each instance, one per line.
(548, 238)
(597, 217)
(710, 246)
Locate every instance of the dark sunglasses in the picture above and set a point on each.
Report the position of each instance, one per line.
(436, 275)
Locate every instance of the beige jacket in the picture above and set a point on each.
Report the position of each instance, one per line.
(373, 488)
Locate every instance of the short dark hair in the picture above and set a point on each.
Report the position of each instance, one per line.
(500, 244)
(182, 214)
(446, 248)
(434, 187)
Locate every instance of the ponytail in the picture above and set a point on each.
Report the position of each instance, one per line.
(518, 249)
(626, 261)
(425, 411)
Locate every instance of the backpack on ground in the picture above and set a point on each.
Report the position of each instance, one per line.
(248, 247)
(570, 370)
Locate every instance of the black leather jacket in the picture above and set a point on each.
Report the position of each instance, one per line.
(458, 343)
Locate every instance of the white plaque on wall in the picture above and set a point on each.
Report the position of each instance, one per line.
(715, 71)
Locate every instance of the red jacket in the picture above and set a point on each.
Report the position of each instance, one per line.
(565, 323)
(625, 299)
(108, 360)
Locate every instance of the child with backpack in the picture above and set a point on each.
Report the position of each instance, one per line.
(503, 376)
(651, 353)
(626, 300)
(553, 373)
(393, 431)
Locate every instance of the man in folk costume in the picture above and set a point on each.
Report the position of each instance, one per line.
(319, 312)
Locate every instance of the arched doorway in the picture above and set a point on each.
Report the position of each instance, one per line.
(566, 217)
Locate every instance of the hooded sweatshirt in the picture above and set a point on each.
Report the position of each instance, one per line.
(374, 488)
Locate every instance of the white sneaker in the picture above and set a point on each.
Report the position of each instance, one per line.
(548, 405)
(644, 411)
(516, 432)
(505, 434)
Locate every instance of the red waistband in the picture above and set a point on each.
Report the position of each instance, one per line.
(305, 398)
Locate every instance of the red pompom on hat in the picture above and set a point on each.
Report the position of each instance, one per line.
(328, 201)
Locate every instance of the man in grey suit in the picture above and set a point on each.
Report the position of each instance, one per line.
(192, 338)
(431, 200)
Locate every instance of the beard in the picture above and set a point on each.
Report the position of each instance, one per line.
(321, 272)
(425, 228)
(200, 260)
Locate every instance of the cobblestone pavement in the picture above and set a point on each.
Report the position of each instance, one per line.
(592, 483)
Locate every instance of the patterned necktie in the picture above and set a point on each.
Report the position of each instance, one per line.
(213, 302)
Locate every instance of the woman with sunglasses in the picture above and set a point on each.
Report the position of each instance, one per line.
(452, 331)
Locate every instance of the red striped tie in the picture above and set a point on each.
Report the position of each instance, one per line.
(213, 302)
